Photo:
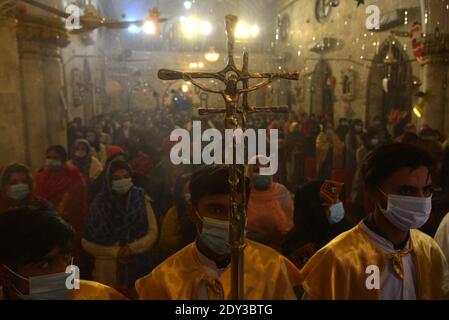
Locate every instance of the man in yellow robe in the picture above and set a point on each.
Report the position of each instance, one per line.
(385, 256)
(35, 251)
(201, 271)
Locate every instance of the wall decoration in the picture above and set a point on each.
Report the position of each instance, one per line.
(323, 9)
(77, 87)
(284, 28)
(348, 78)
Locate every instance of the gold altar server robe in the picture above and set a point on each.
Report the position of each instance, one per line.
(90, 290)
(338, 270)
(267, 276)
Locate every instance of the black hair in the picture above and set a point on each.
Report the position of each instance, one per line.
(60, 150)
(28, 234)
(212, 180)
(382, 162)
(119, 165)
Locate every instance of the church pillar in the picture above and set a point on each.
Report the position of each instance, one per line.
(41, 74)
(436, 64)
(12, 147)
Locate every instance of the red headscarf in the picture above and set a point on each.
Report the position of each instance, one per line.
(65, 189)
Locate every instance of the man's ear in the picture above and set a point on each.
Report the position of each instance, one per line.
(376, 197)
(192, 213)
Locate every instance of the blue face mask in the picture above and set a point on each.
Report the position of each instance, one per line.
(47, 287)
(337, 213)
(215, 235)
(122, 186)
(261, 182)
(19, 191)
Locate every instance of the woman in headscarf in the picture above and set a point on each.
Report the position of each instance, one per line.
(63, 186)
(177, 229)
(82, 158)
(353, 141)
(98, 148)
(319, 216)
(329, 152)
(121, 229)
(16, 187)
(270, 207)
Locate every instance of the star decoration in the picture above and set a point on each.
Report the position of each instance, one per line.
(360, 2)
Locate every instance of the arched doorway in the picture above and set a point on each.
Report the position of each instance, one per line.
(397, 100)
(322, 94)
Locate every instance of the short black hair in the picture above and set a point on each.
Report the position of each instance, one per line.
(212, 180)
(119, 165)
(385, 160)
(60, 150)
(28, 234)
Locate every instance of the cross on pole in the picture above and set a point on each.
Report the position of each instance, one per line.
(231, 76)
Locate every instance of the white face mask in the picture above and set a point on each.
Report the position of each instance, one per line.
(337, 213)
(19, 191)
(215, 235)
(47, 287)
(80, 154)
(407, 213)
(53, 164)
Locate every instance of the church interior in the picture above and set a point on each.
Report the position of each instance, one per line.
(95, 89)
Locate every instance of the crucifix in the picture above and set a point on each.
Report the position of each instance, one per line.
(231, 76)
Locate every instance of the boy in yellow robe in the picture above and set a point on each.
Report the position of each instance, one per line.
(201, 271)
(385, 256)
(35, 251)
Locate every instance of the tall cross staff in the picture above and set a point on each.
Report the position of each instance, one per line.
(231, 76)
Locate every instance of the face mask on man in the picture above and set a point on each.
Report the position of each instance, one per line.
(261, 182)
(337, 213)
(215, 235)
(406, 212)
(122, 186)
(53, 164)
(19, 191)
(358, 128)
(47, 287)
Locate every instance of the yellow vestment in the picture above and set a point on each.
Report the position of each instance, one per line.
(338, 270)
(267, 276)
(90, 290)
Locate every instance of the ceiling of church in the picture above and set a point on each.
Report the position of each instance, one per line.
(137, 9)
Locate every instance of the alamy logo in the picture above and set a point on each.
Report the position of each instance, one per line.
(188, 149)
(373, 20)
(372, 282)
(73, 20)
(73, 280)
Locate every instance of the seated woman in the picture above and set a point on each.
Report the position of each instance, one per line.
(270, 209)
(177, 229)
(16, 187)
(319, 217)
(120, 230)
(83, 159)
(35, 251)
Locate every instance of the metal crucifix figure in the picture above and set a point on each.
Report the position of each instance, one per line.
(231, 77)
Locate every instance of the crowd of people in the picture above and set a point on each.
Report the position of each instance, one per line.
(139, 226)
